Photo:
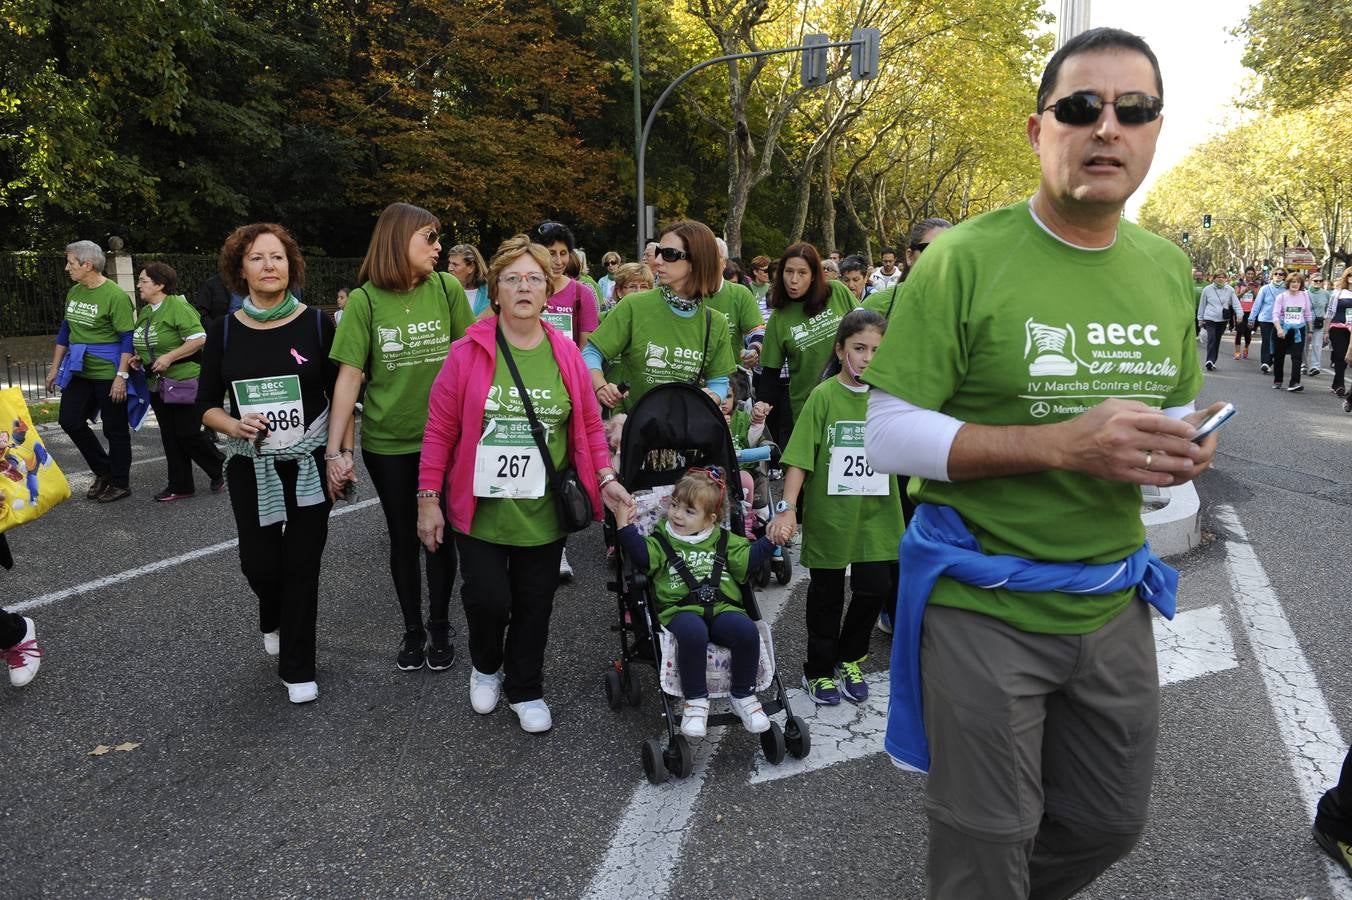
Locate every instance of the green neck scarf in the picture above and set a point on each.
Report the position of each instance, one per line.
(280, 311)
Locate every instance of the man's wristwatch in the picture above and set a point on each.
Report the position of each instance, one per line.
(784, 506)
(124, 375)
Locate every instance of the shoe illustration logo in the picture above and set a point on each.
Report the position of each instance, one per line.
(494, 401)
(389, 340)
(798, 333)
(1054, 348)
(657, 356)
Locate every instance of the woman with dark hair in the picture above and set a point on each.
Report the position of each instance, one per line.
(167, 339)
(806, 309)
(481, 469)
(469, 269)
(272, 356)
(398, 329)
(573, 308)
(669, 333)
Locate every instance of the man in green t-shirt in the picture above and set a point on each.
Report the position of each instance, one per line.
(1047, 370)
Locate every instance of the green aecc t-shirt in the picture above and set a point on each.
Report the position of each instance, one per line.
(98, 316)
(738, 305)
(655, 346)
(671, 589)
(165, 328)
(400, 340)
(840, 528)
(1006, 325)
(805, 342)
(525, 522)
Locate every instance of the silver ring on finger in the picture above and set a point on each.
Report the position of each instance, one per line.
(1149, 458)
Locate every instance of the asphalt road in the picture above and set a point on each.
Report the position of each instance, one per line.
(389, 785)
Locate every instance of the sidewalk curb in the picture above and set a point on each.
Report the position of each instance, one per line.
(1175, 528)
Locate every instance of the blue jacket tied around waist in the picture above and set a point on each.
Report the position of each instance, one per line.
(937, 543)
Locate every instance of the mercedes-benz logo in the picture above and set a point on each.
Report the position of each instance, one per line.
(1039, 409)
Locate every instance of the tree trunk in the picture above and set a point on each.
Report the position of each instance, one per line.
(828, 198)
(804, 201)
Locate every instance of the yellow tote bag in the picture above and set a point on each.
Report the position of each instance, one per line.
(30, 480)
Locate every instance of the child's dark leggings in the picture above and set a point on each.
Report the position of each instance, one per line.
(733, 630)
(13, 628)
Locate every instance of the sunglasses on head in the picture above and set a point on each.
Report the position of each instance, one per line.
(1085, 107)
(671, 254)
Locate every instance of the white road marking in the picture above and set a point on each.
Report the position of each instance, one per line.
(157, 566)
(1314, 746)
(646, 845)
(1196, 643)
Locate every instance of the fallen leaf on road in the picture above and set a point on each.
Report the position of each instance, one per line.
(126, 746)
(99, 750)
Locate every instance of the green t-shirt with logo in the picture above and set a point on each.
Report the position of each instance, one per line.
(671, 589)
(805, 342)
(1006, 325)
(400, 340)
(884, 301)
(523, 522)
(98, 316)
(163, 329)
(738, 305)
(655, 346)
(840, 528)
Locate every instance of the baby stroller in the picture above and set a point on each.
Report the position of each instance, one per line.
(674, 427)
(779, 565)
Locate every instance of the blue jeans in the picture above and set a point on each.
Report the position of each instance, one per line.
(733, 630)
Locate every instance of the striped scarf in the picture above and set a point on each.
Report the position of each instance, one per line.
(271, 494)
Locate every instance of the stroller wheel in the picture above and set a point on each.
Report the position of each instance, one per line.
(772, 744)
(614, 692)
(796, 737)
(763, 577)
(783, 568)
(633, 687)
(653, 765)
(679, 757)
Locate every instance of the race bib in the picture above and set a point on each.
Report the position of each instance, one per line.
(849, 473)
(563, 321)
(507, 463)
(278, 400)
(1293, 317)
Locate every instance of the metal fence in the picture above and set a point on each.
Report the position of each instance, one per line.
(30, 377)
(33, 286)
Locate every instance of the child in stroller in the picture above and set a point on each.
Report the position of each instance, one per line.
(696, 568)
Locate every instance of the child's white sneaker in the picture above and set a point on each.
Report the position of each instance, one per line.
(25, 657)
(752, 714)
(272, 642)
(695, 718)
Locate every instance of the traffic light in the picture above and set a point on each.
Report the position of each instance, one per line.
(864, 54)
(814, 60)
(1206, 220)
(1186, 237)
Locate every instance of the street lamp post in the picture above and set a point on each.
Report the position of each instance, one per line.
(1074, 18)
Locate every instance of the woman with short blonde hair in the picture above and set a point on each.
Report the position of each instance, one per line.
(468, 267)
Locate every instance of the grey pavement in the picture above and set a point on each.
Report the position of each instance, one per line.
(390, 786)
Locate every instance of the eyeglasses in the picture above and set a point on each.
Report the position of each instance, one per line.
(512, 281)
(671, 254)
(612, 262)
(1085, 107)
(431, 237)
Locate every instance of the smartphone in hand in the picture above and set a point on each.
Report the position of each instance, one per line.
(1214, 422)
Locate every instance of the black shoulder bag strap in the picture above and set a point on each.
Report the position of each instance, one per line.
(706, 592)
(537, 430)
(704, 354)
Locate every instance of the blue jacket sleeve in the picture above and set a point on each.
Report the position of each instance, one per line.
(634, 547)
(125, 341)
(63, 334)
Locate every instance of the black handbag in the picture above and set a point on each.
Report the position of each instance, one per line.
(575, 507)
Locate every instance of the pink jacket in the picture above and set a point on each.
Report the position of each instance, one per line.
(455, 419)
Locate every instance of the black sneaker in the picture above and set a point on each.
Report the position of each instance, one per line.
(1339, 851)
(218, 483)
(112, 493)
(1296, 387)
(169, 496)
(100, 485)
(1210, 366)
(411, 653)
(440, 650)
(1265, 368)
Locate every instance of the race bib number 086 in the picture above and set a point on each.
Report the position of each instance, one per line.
(278, 400)
(849, 473)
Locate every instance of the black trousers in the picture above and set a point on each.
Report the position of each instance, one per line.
(1268, 336)
(79, 401)
(1213, 339)
(12, 629)
(281, 563)
(1243, 329)
(1334, 813)
(185, 443)
(395, 477)
(831, 641)
(508, 594)
(1284, 347)
(1338, 341)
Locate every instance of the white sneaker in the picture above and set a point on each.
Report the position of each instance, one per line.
(25, 657)
(752, 714)
(695, 718)
(534, 715)
(484, 691)
(302, 692)
(272, 643)
(565, 570)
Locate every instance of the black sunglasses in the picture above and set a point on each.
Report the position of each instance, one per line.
(1085, 107)
(919, 246)
(670, 254)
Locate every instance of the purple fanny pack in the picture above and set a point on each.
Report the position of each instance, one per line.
(178, 391)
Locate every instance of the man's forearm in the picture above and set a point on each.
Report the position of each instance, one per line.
(994, 451)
